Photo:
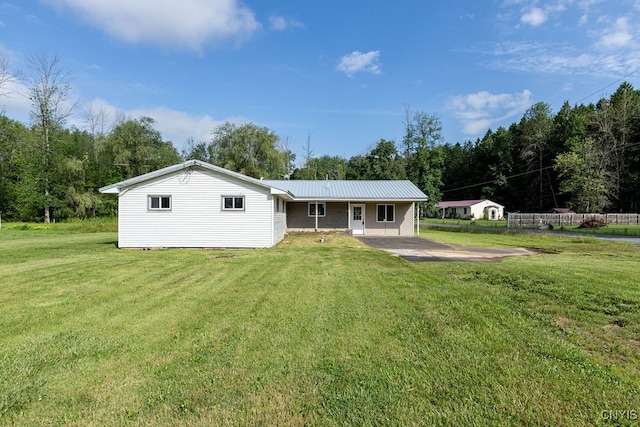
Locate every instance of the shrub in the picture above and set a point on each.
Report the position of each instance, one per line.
(593, 223)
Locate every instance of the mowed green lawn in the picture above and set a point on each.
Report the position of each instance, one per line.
(312, 333)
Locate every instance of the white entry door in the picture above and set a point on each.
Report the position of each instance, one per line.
(357, 219)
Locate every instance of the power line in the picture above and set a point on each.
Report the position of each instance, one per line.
(493, 181)
(498, 179)
(609, 85)
(548, 167)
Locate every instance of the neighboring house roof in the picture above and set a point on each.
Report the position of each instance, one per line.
(296, 190)
(562, 211)
(464, 203)
(119, 186)
(351, 190)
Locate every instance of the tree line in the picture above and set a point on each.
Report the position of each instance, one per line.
(586, 157)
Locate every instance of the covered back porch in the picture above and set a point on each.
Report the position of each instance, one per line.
(374, 218)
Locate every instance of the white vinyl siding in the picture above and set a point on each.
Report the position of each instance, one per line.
(197, 218)
(279, 227)
(279, 219)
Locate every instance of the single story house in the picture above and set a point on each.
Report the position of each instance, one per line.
(196, 204)
(467, 209)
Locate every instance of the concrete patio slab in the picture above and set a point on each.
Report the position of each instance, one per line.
(418, 249)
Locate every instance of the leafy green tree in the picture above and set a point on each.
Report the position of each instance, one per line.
(247, 149)
(385, 161)
(424, 156)
(493, 161)
(458, 178)
(79, 175)
(198, 151)
(382, 162)
(536, 128)
(358, 167)
(617, 122)
(14, 137)
(323, 167)
(585, 175)
(134, 147)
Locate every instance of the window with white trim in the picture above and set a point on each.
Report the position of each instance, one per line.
(320, 208)
(232, 203)
(386, 213)
(159, 203)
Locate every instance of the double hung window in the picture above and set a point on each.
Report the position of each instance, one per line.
(386, 213)
(317, 207)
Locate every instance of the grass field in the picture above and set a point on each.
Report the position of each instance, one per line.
(611, 229)
(466, 222)
(315, 334)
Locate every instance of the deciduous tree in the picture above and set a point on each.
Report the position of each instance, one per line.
(423, 154)
(251, 150)
(585, 175)
(50, 96)
(134, 147)
(536, 127)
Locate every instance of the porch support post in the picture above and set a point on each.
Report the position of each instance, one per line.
(317, 208)
(349, 215)
(415, 222)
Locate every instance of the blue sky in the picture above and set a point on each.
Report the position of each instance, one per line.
(338, 72)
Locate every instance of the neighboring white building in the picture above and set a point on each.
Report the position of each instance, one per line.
(199, 205)
(467, 209)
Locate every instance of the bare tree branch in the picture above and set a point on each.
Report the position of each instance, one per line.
(96, 119)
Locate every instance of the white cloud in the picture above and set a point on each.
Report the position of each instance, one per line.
(583, 20)
(567, 87)
(357, 61)
(14, 101)
(178, 126)
(172, 23)
(617, 36)
(561, 59)
(174, 125)
(479, 111)
(534, 17)
(280, 23)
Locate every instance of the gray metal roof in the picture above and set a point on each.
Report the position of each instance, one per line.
(350, 190)
(298, 190)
